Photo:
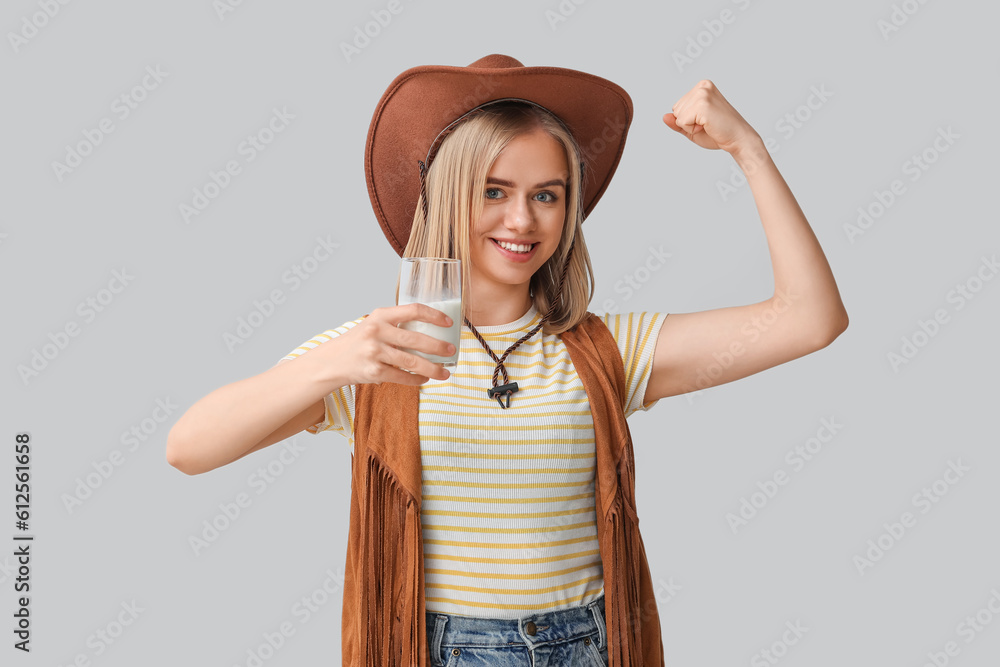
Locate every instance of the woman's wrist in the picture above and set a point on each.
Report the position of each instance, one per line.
(751, 154)
(317, 370)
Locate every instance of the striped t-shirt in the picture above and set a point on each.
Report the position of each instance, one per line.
(509, 524)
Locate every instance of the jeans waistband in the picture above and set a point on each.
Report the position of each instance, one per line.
(551, 626)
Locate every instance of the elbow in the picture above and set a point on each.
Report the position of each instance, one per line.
(179, 454)
(836, 324)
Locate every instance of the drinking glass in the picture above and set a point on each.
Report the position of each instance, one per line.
(436, 282)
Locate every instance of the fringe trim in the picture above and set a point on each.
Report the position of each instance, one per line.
(390, 553)
(624, 617)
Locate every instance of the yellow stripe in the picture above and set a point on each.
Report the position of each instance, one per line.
(534, 427)
(526, 443)
(498, 485)
(514, 591)
(501, 575)
(342, 406)
(434, 398)
(560, 363)
(473, 455)
(515, 545)
(629, 353)
(508, 531)
(533, 607)
(509, 501)
(513, 471)
(465, 414)
(514, 515)
(635, 362)
(328, 416)
(570, 380)
(511, 561)
(350, 415)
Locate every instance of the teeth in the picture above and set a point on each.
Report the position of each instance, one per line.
(514, 247)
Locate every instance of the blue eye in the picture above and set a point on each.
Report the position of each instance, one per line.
(551, 197)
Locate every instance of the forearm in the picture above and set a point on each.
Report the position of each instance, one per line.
(227, 423)
(801, 271)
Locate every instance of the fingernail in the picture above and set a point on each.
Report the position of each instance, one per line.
(447, 320)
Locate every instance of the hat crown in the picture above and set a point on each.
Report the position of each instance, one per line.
(496, 61)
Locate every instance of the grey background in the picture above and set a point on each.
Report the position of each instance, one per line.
(162, 336)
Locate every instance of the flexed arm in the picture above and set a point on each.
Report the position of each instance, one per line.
(805, 313)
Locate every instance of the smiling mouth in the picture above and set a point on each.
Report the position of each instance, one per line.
(531, 246)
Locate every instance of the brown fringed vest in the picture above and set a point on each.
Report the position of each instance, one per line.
(383, 616)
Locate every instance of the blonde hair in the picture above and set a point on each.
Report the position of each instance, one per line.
(455, 183)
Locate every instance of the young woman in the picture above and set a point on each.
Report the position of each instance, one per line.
(493, 515)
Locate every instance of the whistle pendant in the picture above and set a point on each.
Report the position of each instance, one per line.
(508, 389)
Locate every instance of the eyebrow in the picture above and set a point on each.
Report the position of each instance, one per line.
(500, 181)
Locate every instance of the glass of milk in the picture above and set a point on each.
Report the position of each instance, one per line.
(436, 282)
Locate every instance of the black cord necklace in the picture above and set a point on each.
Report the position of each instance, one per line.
(506, 390)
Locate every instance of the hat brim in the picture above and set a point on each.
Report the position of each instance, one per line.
(422, 101)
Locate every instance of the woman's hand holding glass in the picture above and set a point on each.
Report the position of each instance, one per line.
(370, 352)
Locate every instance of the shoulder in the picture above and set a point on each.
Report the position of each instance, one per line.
(623, 325)
(588, 322)
(590, 329)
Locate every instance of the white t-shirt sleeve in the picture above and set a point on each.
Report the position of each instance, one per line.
(340, 403)
(636, 335)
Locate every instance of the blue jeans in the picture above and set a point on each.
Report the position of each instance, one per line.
(574, 637)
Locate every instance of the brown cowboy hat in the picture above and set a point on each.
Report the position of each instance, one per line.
(423, 101)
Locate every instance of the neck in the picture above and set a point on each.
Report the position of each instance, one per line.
(484, 311)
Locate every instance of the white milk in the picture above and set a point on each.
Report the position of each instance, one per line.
(453, 334)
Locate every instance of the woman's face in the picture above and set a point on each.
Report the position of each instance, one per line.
(524, 204)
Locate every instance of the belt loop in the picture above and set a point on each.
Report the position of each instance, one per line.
(435, 645)
(602, 629)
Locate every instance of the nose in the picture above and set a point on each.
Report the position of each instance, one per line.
(518, 215)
